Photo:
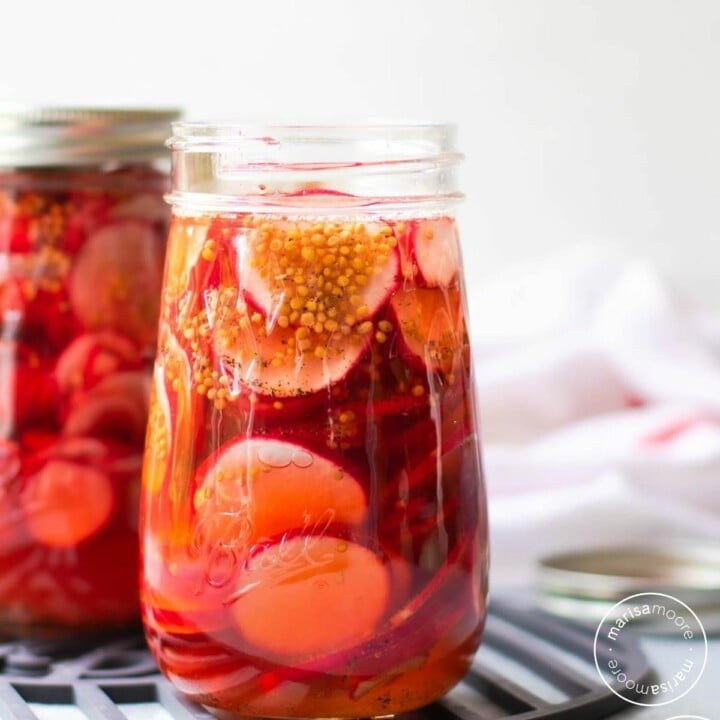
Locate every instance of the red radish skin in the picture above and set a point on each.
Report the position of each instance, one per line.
(410, 505)
(435, 248)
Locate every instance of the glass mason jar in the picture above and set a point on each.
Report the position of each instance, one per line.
(82, 234)
(313, 515)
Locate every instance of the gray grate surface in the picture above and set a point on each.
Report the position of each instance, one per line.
(531, 665)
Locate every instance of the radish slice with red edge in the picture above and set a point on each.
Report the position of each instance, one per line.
(115, 407)
(260, 488)
(262, 362)
(441, 607)
(92, 356)
(66, 503)
(344, 266)
(436, 250)
(116, 279)
(148, 207)
(311, 595)
(431, 326)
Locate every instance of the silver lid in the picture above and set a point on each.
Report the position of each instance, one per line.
(56, 136)
(586, 584)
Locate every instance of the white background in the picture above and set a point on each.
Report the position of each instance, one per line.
(582, 120)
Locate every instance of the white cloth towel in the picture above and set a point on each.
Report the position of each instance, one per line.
(599, 397)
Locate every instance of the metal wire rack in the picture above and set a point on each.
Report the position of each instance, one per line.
(531, 666)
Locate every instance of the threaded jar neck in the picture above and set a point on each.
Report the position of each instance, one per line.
(227, 166)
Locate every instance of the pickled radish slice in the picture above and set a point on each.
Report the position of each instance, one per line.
(431, 612)
(116, 407)
(141, 206)
(436, 249)
(311, 595)
(258, 489)
(263, 364)
(431, 326)
(66, 503)
(91, 357)
(116, 278)
(346, 269)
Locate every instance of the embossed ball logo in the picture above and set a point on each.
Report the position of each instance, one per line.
(675, 620)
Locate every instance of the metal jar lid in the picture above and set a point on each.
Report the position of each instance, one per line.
(586, 584)
(56, 136)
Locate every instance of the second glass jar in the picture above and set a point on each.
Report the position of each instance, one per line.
(314, 537)
(83, 228)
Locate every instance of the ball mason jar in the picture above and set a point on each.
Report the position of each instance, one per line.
(313, 520)
(82, 234)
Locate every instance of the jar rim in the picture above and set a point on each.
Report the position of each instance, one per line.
(53, 136)
(365, 163)
(199, 135)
